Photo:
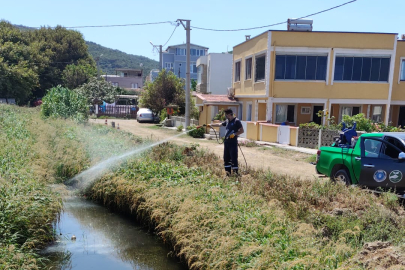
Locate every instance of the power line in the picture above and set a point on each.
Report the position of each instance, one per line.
(265, 26)
(119, 25)
(171, 35)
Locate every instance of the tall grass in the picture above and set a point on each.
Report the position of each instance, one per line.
(35, 153)
(258, 221)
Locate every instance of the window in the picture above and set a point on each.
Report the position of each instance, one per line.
(237, 71)
(169, 65)
(180, 51)
(349, 110)
(193, 68)
(372, 69)
(372, 148)
(134, 85)
(260, 68)
(199, 74)
(196, 52)
(114, 84)
(395, 142)
(193, 52)
(248, 64)
(249, 113)
(285, 113)
(403, 70)
(377, 114)
(301, 67)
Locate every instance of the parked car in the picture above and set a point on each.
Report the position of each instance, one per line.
(374, 160)
(145, 115)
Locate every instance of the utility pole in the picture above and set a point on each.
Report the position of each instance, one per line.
(159, 48)
(187, 28)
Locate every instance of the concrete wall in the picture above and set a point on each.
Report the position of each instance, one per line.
(268, 132)
(219, 73)
(125, 82)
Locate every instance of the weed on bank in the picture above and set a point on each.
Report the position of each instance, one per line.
(258, 221)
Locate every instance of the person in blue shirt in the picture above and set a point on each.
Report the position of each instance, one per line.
(233, 129)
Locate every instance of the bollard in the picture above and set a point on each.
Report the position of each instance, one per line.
(118, 125)
(106, 121)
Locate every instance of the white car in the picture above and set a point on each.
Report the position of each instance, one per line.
(145, 115)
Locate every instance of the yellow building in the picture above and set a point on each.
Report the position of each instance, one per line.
(289, 76)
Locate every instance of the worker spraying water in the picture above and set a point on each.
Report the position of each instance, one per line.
(234, 128)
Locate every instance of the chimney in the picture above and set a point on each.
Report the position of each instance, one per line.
(247, 37)
(403, 37)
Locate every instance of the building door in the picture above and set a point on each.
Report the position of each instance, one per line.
(401, 117)
(315, 117)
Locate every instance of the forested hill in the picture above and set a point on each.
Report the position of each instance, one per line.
(113, 59)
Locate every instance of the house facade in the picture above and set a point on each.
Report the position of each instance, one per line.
(126, 78)
(288, 77)
(174, 59)
(214, 73)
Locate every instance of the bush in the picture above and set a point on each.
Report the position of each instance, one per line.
(64, 103)
(196, 132)
(180, 128)
(220, 116)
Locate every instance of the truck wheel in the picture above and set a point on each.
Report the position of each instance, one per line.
(343, 176)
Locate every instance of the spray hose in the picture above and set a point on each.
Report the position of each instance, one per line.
(217, 137)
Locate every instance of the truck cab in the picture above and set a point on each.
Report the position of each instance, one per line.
(376, 160)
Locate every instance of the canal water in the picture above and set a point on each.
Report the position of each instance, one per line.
(104, 240)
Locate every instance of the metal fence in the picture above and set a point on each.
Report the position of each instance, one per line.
(119, 111)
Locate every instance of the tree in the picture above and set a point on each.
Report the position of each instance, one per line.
(18, 73)
(97, 90)
(75, 75)
(193, 85)
(60, 48)
(167, 89)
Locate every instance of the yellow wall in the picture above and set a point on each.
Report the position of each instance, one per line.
(398, 90)
(303, 118)
(284, 89)
(252, 132)
(262, 112)
(249, 48)
(293, 136)
(269, 132)
(332, 40)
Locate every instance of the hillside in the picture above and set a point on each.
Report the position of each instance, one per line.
(113, 59)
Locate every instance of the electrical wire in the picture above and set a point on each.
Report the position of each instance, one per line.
(265, 26)
(171, 35)
(117, 25)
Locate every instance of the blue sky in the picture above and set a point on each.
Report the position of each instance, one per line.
(361, 16)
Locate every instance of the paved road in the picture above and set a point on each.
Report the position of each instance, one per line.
(277, 160)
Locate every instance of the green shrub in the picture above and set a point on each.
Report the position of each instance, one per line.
(220, 116)
(64, 103)
(196, 132)
(180, 128)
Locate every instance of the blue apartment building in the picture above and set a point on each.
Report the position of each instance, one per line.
(174, 59)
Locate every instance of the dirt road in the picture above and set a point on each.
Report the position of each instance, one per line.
(279, 161)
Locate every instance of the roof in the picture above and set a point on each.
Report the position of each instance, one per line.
(128, 69)
(333, 32)
(215, 99)
(191, 44)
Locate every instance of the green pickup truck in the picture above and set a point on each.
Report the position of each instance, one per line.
(374, 160)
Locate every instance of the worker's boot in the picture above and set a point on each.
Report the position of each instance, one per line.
(228, 170)
(235, 171)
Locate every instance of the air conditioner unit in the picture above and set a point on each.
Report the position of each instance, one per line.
(231, 92)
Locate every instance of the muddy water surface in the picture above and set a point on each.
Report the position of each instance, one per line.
(104, 240)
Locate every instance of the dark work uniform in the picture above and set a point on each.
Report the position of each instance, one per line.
(231, 146)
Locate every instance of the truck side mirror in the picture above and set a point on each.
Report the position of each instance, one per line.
(401, 156)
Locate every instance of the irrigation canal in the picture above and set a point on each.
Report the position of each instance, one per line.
(104, 240)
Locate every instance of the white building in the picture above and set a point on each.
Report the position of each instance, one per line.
(214, 73)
